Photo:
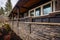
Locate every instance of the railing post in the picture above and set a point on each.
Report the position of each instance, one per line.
(30, 19)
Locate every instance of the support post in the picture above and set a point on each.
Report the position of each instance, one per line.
(18, 11)
(12, 20)
(54, 5)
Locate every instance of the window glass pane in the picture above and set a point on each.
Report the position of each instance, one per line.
(47, 9)
(32, 13)
(38, 12)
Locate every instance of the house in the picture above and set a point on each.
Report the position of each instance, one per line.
(36, 19)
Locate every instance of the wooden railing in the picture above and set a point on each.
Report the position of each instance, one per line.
(52, 17)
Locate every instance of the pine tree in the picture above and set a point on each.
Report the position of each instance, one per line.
(8, 6)
(1, 11)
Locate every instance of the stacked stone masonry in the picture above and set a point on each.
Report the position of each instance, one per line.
(29, 31)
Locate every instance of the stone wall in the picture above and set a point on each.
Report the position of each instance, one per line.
(36, 30)
(31, 31)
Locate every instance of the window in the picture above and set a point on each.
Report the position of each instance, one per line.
(38, 12)
(26, 14)
(32, 13)
(41, 10)
(47, 9)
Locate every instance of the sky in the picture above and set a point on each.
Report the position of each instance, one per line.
(3, 2)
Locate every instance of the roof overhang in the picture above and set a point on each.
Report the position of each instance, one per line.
(25, 5)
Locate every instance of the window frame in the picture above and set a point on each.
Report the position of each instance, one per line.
(30, 12)
(41, 9)
(47, 4)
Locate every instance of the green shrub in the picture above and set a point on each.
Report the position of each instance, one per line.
(7, 27)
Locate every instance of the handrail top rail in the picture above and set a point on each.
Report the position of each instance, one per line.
(43, 23)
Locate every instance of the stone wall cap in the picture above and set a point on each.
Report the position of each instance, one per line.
(42, 23)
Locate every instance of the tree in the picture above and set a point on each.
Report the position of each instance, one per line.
(1, 11)
(8, 6)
